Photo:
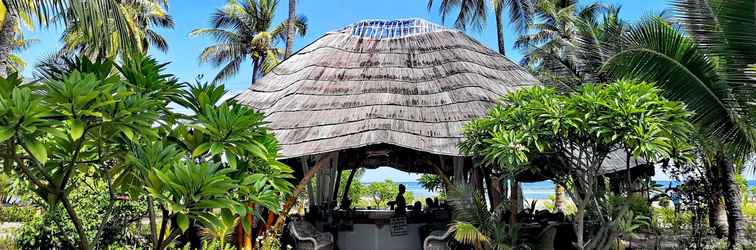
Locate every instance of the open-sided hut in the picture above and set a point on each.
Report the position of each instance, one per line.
(381, 93)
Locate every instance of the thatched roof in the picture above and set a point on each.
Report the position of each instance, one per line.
(409, 83)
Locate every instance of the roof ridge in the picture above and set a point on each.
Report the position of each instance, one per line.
(391, 28)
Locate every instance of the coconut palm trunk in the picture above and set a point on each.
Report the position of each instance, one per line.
(733, 201)
(290, 28)
(500, 32)
(717, 215)
(7, 35)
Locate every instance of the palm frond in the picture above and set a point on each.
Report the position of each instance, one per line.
(660, 53)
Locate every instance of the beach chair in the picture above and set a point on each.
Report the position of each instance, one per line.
(309, 238)
(438, 240)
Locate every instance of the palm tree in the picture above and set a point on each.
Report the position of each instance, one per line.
(290, 29)
(477, 226)
(15, 62)
(103, 20)
(568, 44)
(244, 30)
(473, 12)
(706, 65)
(141, 17)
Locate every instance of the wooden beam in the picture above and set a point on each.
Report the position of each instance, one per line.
(325, 159)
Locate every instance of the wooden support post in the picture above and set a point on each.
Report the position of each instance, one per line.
(310, 192)
(459, 170)
(336, 186)
(324, 159)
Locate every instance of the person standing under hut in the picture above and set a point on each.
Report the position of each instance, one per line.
(401, 203)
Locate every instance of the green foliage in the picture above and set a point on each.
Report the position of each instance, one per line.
(573, 134)
(17, 213)
(475, 225)
(107, 125)
(53, 228)
(381, 193)
(357, 190)
(431, 182)
(568, 206)
(669, 220)
(244, 30)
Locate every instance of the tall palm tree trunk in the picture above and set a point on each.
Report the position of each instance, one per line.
(290, 28)
(7, 35)
(500, 32)
(255, 68)
(717, 215)
(733, 201)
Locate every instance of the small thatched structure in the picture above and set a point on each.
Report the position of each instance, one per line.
(382, 93)
(408, 83)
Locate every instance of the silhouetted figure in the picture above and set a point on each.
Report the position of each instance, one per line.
(401, 203)
(429, 206)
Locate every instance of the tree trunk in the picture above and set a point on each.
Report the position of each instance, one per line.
(514, 200)
(500, 32)
(153, 224)
(580, 224)
(7, 35)
(717, 215)
(733, 201)
(492, 183)
(255, 68)
(325, 159)
(83, 242)
(558, 197)
(290, 28)
(345, 196)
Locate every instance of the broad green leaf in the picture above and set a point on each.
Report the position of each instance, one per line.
(5, 134)
(37, 150)
(182, 221)
(128, 133)
(77, 129)
(201, 149)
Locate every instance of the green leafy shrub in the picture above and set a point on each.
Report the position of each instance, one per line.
(17, 214)
(54, 230)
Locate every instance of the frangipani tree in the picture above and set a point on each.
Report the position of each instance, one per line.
(576, 133)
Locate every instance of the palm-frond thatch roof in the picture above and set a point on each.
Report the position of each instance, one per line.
(409, 83)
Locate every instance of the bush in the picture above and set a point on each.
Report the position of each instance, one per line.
(17, 214)
(54, 230)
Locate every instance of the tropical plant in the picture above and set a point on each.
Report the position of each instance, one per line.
(76, 123)
(20, 43)
(707, 65)
(430, 182)
(575, 133)
(140, 16)
(244, 30)
(477, 226)
(382, 192)
(356, 189)
(101, 20)
(568, 43)
(473, 12)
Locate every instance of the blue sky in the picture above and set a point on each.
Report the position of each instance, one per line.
(323, 16)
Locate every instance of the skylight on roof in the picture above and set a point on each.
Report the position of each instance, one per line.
(380, 29)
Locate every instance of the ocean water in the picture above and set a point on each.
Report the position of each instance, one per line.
(531, 191)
